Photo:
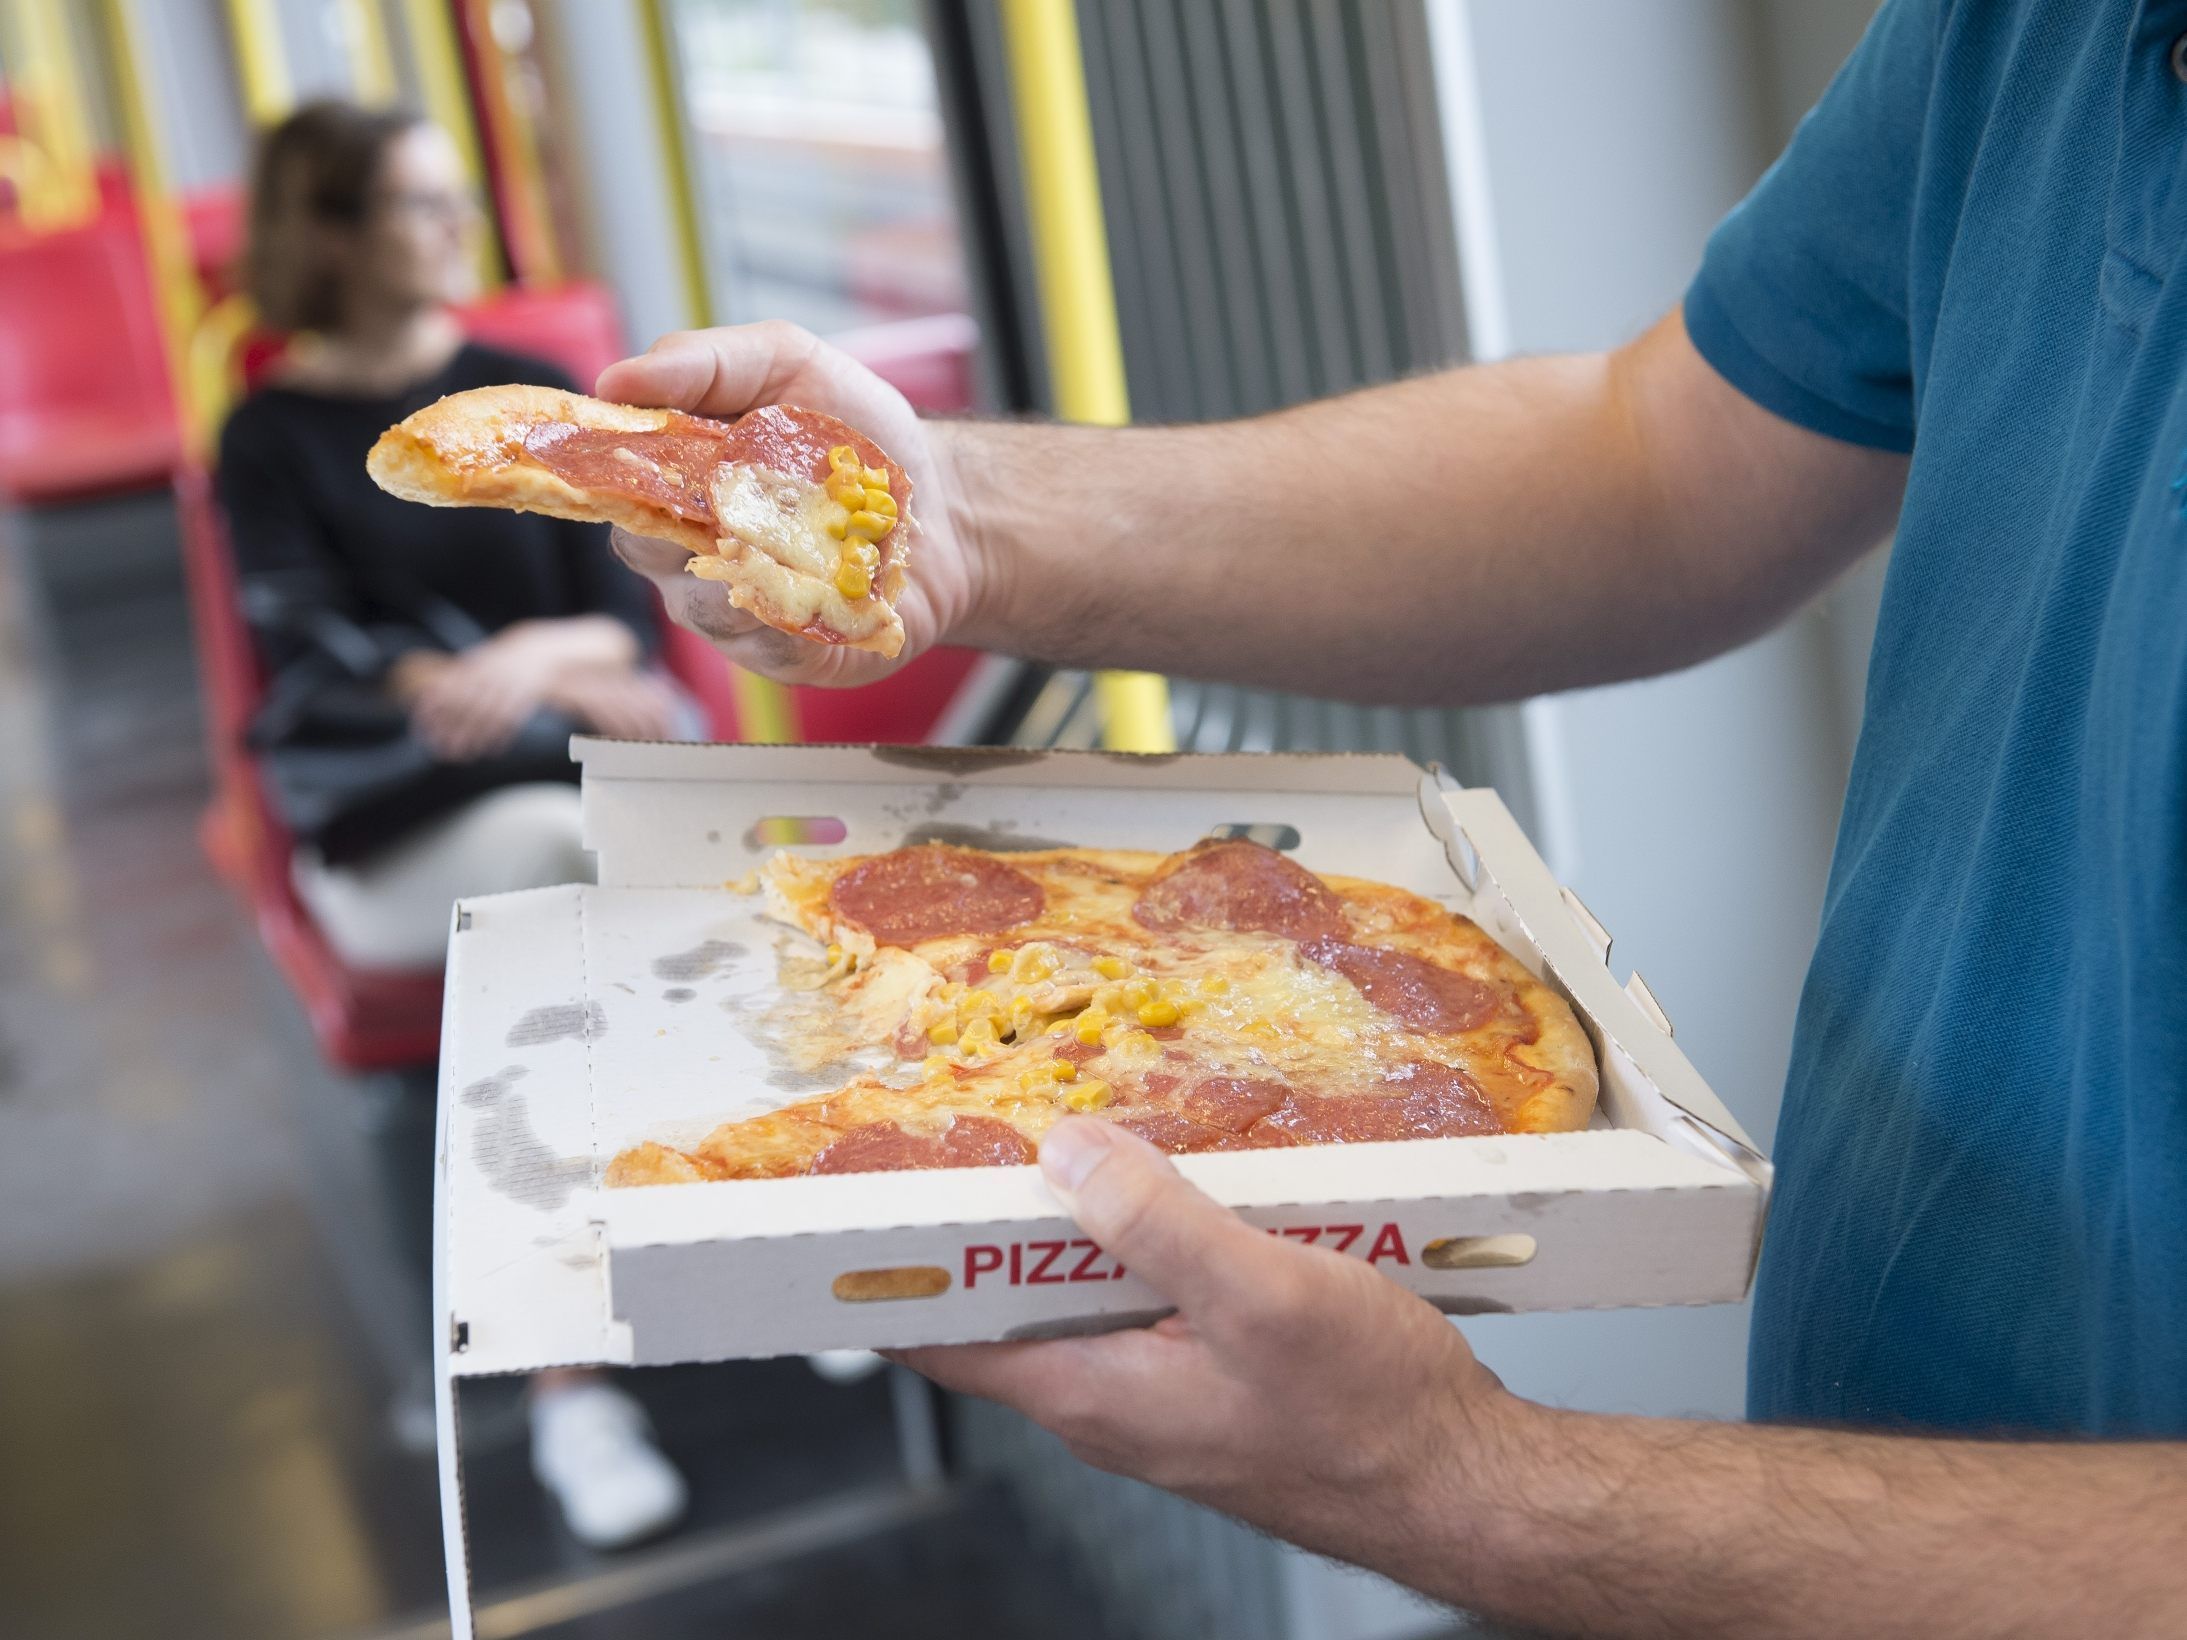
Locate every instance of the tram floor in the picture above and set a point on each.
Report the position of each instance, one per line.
(205, 1333)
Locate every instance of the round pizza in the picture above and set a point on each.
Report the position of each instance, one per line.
(801, 516)
(1222, 998)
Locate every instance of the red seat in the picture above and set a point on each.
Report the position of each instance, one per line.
(375, 1019)
(85, 406)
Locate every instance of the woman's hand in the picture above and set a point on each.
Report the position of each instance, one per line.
(617, 701)
(726, 372)
(472, 705)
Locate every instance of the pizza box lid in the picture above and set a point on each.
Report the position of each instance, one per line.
(579, 1020)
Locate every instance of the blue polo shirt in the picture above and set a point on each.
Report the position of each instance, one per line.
(1976, 249)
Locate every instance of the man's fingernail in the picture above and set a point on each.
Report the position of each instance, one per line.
(1073, 1149)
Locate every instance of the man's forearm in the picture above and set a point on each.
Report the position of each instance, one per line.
(1647, 1527)
(1482, 534)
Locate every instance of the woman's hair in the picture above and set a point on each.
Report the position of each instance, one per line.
(316, 166)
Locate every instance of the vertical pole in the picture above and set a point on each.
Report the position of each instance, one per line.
(61, 189)
(176, 295)
(766, 712)
(1077, 298)
(371, 56)
(254, 30)
(438, 57)
(510, 149)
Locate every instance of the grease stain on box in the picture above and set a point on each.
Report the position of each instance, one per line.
(558, 1022)
(702, 961)
(509, 1155)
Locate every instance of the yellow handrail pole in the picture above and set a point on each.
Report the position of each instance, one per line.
(177, 296)
(438, 57)
(766, 712)
(1077, 299)
(371, 56)
(527, 227)
(48, 88)
(261, 62)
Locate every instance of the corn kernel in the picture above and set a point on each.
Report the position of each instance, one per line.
(980, 1031)
(1021, 1009)
(1090, 1094)
(1112, 967)
(952, 989)
(846, 492)
(864, 554)
(1110, 998)
(871, 525)
(1063, 1070)
(852, 580)
(1158, 1012)
(1137, 993)
(1215, 985)
(998, 962)
(835, 955)
(979, 1003)
(880, 501)
(1034, 1080)
(875, 477)
(943, 1033)
(937, 1064)
(844, 459)
(1138, 1045)
(838, 527)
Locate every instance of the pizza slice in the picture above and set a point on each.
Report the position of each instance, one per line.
(801, 516)
(1222, 998)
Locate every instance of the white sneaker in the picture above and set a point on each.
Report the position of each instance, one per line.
(592, 1448)
(845, 1366)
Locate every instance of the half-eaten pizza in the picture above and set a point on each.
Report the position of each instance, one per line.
(801, 516)
(1221, 998)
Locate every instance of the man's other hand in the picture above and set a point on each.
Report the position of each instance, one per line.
(725, 372)
(1294, 1387)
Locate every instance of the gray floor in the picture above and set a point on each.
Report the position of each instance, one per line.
(202, 1326)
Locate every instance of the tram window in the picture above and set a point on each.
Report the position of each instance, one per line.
(817, 143)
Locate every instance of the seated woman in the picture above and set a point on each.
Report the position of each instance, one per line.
(426, 667)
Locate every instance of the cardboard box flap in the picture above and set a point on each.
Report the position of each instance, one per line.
(661, 816)
(1574, 949)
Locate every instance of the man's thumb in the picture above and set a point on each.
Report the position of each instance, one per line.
(1147, 1216)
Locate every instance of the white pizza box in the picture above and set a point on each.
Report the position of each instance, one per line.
(581, 1020)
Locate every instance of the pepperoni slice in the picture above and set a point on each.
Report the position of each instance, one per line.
(883, 1147)
(1233, 1103)
(673, 467)
(1411, 990)
(926, 893)
(1422, 1102)
(1175, 1132)
(1242, 887)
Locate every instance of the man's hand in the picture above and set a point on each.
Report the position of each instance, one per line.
(1301, 1391)
(726, 372)
(1294, 1387)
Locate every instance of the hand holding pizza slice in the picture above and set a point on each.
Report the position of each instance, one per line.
(799, 516)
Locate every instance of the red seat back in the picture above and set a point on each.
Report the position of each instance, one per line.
(85, 406)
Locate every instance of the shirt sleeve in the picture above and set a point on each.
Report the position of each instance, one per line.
(296, 595)
(1802, 298)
